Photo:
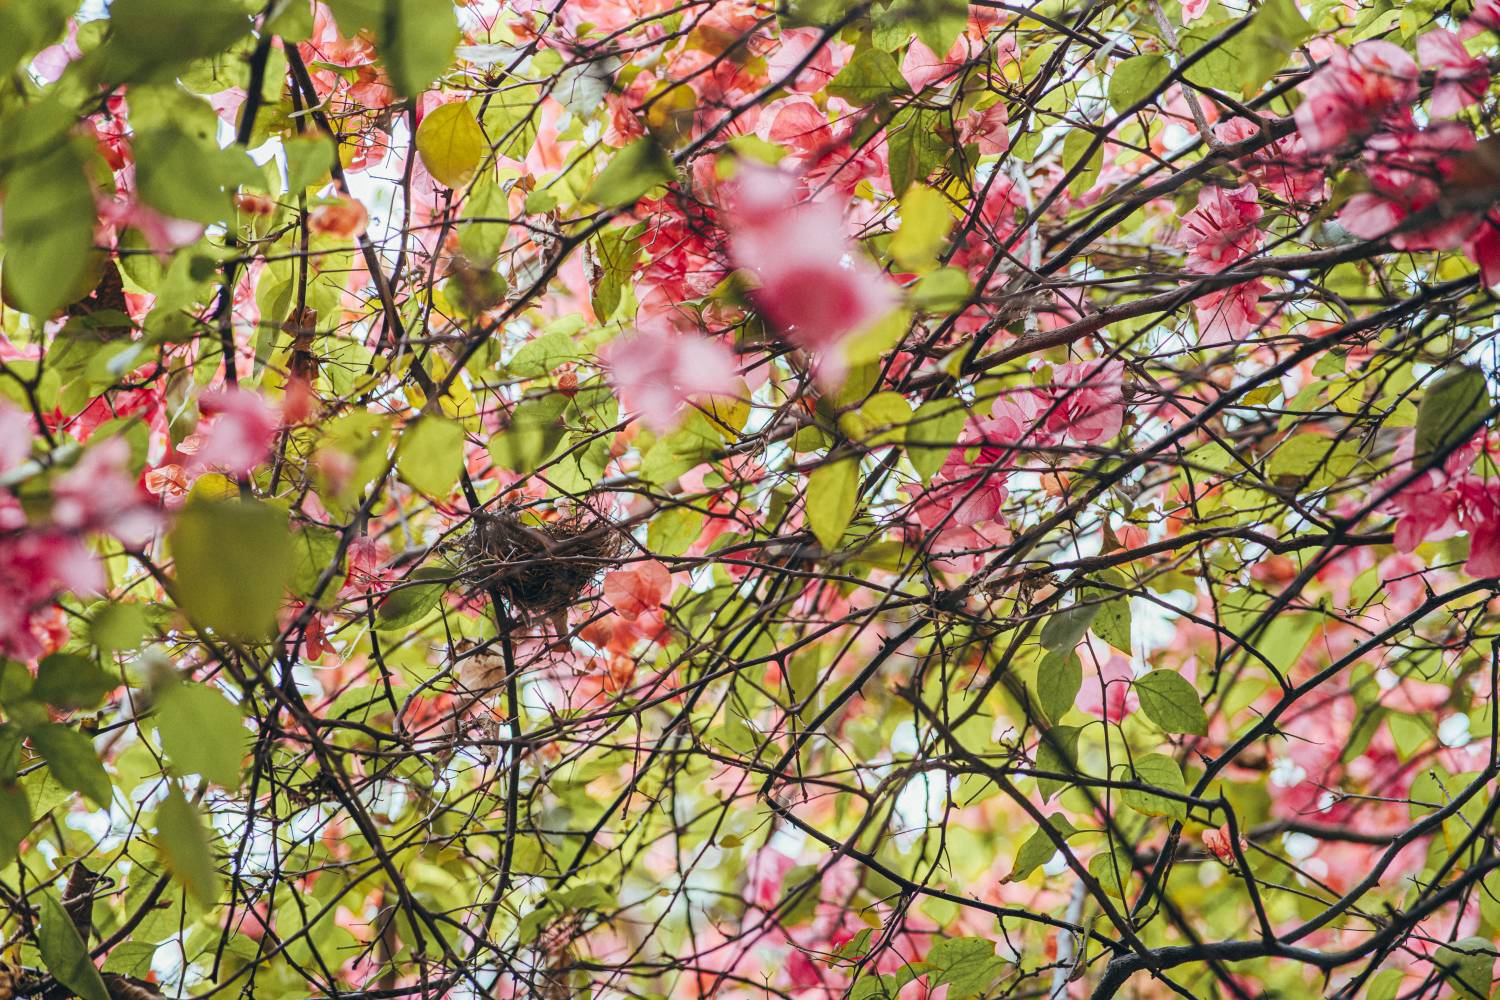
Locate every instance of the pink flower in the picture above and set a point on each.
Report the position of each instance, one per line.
(815, 285)
(657, 371)
(1192, 10)
(97, 494)
(1486, 14)
(1220, 843)
(1231, 313)
(240, 432)
(16, 431)
(1462, 79)
(1282, 168)
(1353, 91)
(343, 219)
(1406, 168)
(163, 233)
(1107, 690)
(1483, 248)
(791, 48)
(1426, 507)
(1479, 514)
(637, 589)
(1222, 229)
(1084, 401)
(986, 128)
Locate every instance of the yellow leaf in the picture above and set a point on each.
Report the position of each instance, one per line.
(451, 144)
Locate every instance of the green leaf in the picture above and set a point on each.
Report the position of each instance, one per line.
(534, 433)
(451, 144)
(932, 433)
(1057, 752)
(64, 953)
(1254, 55)
(15, 820)
(1112, 623)
(1450, 411)
(1158, 771)
(71, 758)
(153, 39)
(1039, 848)
(832, 495)
(1468, 966)
(915, 146)
(416, 41)
(66, 680)
(118, 627)
(410, 603)
(673, 531)
(1133, 79)
(942, 291)
(925, 222)
(481, 241)
(202, 732)
(309, 161)
(1113, 869)
(27, 26)
(185, 842)
(1171, 702)
(968, 965)
(615, 252)
(430, 455)
(1065, 629)
(314, 549)
(233, 561)
(182, 176)
(49, 230)
(1075, 145)
(869, 76)
(1058, 679)
(632, 172)
(543, 355)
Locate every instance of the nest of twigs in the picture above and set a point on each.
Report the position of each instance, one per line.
(540, 568)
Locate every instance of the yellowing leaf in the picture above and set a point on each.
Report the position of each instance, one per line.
(925, 221)
(451, 144)
(832, 492)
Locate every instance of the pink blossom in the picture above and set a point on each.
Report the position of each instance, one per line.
(922, 68)
(16, 431)
(815, 286)
(1231, 313)
(1479, 514)
(1486, 15)
(34, 567)
(1353, 92)
(1086, 401)
(638, 588)
(1425, 507)
(240, 432)
(97, 494)
(1483, 248)
(1192, 10)
(1222, 229)
(1107, 691)
(1406, 168)
(163, 233)
(1282, 168)
(793, 46)
(1462, 79)
(986, 128)
(657, 371)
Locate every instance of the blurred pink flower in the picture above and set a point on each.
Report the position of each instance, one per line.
(657, 371)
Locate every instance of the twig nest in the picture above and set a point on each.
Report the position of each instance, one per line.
(544, 567)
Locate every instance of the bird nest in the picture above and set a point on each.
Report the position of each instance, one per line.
(543, 567)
